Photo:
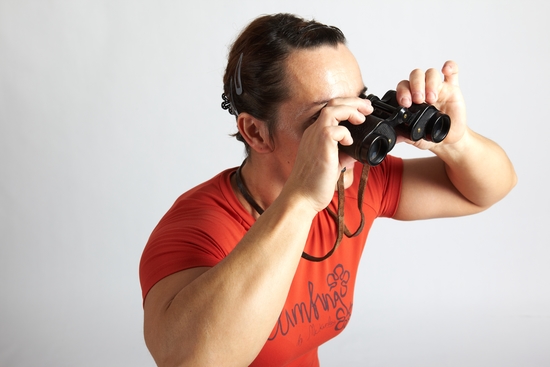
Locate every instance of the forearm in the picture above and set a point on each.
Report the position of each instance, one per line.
(225, 316)
(478, 168)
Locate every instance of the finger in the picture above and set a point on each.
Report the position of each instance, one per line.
(417, 81)
(349, 114)
(433, 82)
(333, 115)
(341, 134)
(403, 93)
(450, 72)
(362, 105)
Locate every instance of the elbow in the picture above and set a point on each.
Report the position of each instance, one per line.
(171, 353)
(168, 357)
(509, 186)
(514, 180)
(163, 351)
(486, 201)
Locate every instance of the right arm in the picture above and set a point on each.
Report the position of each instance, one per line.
(222, 316)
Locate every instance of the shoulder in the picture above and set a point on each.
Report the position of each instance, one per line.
(383, 185)
(212, 198)
(201, 228)
(208, 208)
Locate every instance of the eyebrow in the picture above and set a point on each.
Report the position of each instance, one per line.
(324, 102)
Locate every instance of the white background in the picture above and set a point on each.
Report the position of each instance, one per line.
(110, 109)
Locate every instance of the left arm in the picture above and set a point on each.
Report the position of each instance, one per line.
(469, 172)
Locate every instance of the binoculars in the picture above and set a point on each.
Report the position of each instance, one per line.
(375, 138)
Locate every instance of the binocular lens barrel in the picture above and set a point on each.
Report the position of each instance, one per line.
(374, 150)
(372, 140)
(438, 128)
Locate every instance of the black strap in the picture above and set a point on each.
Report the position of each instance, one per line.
(244, 191)
(338, 218)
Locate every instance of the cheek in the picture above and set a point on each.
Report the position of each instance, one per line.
(286, 142)
(287, 152)
(288, 131)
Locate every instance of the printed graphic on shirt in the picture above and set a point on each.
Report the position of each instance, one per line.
(321, 310)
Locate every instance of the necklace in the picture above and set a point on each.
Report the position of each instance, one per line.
(338, 218)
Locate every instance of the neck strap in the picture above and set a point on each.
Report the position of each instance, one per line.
(338, 218)
(244, 191)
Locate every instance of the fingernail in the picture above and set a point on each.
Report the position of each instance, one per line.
(418, 97)
(405, 101)
(432, 97)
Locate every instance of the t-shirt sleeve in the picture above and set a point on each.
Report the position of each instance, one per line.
(384, 184)
(186, 238)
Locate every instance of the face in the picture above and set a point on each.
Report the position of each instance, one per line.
(315, 76)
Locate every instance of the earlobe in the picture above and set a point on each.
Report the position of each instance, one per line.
(255, 133)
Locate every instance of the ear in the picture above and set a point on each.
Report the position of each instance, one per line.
(255, 132)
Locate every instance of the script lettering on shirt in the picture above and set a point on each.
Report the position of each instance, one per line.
(316, 308)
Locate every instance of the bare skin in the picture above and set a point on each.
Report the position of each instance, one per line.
(223, 315)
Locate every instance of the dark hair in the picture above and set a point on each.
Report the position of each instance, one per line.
(254, 80)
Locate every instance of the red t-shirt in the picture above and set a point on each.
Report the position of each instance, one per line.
(207, 222)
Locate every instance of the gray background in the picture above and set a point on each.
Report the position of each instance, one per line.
(111, 109)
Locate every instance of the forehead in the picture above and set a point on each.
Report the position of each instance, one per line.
(323, 73)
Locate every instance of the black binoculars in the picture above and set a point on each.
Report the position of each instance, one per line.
(375, 138)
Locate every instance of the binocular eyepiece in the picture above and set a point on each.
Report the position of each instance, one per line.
(375, 138)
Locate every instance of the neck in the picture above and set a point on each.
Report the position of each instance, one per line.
(258, 183)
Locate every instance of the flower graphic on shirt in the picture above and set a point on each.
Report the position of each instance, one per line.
(343, 315)
(339, 277)
(338, 283)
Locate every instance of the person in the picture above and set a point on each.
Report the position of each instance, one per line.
(257, 265)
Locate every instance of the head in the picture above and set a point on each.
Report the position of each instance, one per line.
(255, 79)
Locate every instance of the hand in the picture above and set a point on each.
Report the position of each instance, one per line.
(319, 162)
(445, 95)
